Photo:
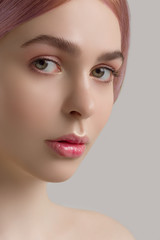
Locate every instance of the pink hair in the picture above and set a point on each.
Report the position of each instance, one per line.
(121, 10)
(15, 12)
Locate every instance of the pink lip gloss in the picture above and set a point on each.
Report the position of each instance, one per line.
(66, 149)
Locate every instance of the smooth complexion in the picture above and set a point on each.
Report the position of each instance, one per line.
(37, 104)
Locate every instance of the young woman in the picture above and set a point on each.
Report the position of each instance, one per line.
(62, 65)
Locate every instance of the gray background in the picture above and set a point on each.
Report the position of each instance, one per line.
(120, 175)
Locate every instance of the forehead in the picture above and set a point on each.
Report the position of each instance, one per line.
(89, 23)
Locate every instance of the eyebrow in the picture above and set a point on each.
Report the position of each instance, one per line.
(70, 47)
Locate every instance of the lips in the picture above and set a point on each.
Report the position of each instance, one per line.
(70, 146)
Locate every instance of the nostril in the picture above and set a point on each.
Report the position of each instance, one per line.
(74, 113)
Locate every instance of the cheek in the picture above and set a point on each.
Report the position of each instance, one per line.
(26, 106)
(104, 108)
(103, 115)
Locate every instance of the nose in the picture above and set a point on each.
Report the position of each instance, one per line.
(79, 102)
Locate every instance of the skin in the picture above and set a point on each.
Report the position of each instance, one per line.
(36, 106)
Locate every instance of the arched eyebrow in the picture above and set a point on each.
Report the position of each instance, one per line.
(109, 56)
(70, 47)
(57, 42)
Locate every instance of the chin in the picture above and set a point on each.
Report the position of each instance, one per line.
(57, 179)
(56, 175)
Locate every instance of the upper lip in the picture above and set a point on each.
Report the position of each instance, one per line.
(72, 138)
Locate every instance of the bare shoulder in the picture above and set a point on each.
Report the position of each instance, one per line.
(98, 226)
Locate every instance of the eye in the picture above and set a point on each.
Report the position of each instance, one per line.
(46, 65)
(103, 73)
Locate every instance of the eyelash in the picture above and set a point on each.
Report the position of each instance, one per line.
(114, 73)
(45, 59)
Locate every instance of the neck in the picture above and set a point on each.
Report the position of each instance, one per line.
(23, 200)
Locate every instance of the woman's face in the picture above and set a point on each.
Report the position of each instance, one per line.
(71, 92)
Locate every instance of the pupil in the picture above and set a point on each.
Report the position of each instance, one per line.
(41, 64)
(98, 70)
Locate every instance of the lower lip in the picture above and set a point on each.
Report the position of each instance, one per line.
(66, 149)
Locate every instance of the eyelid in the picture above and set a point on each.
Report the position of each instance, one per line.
(114, 71)
(47, 58)
(50, 58)
(103, 65)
